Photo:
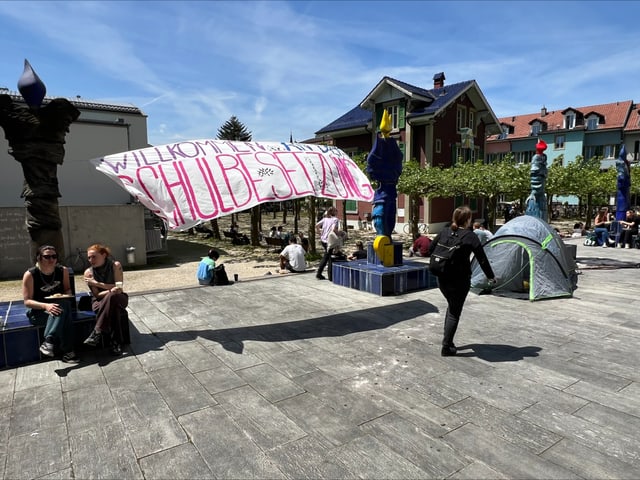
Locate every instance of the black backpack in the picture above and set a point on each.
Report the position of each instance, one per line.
(220, 275)
(443, 254)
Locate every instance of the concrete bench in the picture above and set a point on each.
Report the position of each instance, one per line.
(20, 341)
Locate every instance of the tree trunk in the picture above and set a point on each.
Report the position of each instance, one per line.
(312, 224)
(215, 228)
(255, 226)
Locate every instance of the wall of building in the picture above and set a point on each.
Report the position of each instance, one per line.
(117, 226)
(95, 134)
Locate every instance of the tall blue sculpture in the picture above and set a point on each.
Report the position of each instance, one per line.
(624, 185)
(537, 200)
(384, 165)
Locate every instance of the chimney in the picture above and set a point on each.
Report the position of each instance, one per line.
(438, 80)
(543, 111)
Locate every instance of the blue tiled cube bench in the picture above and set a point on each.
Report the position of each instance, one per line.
(20, 341)
(372, 276)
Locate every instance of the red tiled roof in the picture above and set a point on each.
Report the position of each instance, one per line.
(634, 121)
(615, 115)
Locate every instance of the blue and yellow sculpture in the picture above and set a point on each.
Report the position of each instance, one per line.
(624, 185)
(384, 165)
(537, 200)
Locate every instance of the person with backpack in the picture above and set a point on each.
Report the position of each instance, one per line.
(450, 261)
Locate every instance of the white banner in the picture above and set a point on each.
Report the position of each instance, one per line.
(190, 182)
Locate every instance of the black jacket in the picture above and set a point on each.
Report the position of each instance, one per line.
(461, 264)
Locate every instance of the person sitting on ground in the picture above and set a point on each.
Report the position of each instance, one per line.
(292, 257)
(420, 246)
(360, 253)
(483, 234)
(304, 241)
(273, 232)
(48, 279)
(206, 266)
(601, 224)
(104, 278)
(629, 229)
(578, 230)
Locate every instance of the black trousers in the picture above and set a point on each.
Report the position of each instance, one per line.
(455, 291)
(326, 258)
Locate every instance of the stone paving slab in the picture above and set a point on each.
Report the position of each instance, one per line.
(290, 377)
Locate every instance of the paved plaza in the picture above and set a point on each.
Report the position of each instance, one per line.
(291, 377)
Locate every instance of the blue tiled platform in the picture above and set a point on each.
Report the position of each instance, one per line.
(371, 276)
(20, 341)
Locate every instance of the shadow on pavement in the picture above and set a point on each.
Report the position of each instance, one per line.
(337, 325)
(497, 352)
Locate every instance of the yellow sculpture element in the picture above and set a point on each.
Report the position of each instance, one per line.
(385, 124)
(384, 249)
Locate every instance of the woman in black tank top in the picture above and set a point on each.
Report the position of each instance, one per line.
(39, 284)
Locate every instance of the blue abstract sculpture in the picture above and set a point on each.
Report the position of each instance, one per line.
(537, 200)
(384, 164)
(624, 185)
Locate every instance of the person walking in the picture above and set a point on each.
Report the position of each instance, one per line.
(455, 282)
(327, 225)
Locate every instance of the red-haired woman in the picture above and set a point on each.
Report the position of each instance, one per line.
(455, 282)
(104, 279)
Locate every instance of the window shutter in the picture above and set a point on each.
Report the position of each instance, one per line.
(402, 147)
(401, 116)
(379, 111)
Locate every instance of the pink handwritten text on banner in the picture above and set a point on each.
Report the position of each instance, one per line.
(190, 182)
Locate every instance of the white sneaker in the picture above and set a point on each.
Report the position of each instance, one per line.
(47, 349)
(604, 245)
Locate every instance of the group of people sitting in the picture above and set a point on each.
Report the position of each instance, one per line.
(48, 296)
(611, 233)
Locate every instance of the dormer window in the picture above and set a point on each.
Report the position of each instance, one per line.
(536, 128)
(504, 133)
(570, 120)
(592, 123)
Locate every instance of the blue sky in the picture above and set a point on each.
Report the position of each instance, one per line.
(284, 67)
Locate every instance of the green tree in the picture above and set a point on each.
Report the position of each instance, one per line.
(233, 129)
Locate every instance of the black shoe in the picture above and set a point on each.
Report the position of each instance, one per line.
(94, 339)
(115, 348)
(448, 351)
(70, 357)
(320, 277)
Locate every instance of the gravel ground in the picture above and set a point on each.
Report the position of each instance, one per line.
(178, 268)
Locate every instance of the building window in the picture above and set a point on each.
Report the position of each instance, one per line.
(570, 120)
(393, 111)
(462, 117)
(472, 121)
(535, 129)
(351, 206)
(558, 143)
(438, 145)
(592, 123)
(609, 151)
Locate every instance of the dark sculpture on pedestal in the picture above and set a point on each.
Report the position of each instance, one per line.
(537, 200)
(36, 136)
(624, 185)
(384, 164)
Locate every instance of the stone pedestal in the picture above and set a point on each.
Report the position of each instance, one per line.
(372, 276)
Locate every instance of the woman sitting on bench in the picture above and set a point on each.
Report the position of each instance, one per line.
(40, 285)
(109, 302)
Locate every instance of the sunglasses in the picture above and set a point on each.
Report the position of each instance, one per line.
(50, 257)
